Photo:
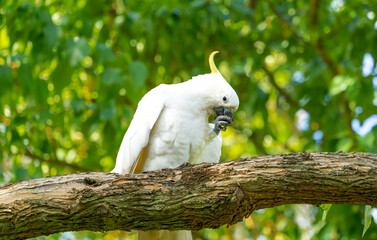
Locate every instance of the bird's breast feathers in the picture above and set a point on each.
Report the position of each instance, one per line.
(177, 137)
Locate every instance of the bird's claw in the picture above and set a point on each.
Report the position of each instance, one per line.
(185, 164)
(221, 122)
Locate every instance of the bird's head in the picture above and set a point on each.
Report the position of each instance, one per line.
(216, 94)
(227, 98)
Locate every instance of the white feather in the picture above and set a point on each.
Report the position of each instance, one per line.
(137, 135)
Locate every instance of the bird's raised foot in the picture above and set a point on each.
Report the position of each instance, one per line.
(221, 122)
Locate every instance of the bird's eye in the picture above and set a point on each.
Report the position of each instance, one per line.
(225, 99)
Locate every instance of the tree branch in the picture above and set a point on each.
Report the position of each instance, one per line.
(313, 13)
(253, 4)
(194, 197)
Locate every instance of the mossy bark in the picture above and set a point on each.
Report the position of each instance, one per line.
(191, 197)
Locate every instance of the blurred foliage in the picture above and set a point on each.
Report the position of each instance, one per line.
(72, 73)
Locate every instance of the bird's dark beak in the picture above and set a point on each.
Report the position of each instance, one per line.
(221, 111)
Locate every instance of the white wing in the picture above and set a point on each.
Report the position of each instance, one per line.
(212, 151)
(137, 135)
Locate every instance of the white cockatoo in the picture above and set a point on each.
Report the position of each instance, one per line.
(170, 127)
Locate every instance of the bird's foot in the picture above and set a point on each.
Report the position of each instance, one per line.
(221, 122)
(185, 164)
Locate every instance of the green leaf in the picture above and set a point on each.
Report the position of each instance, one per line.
(108, 111)
(108, 133)
(40, 91)
(367, 218)
(52, 34)
(6, 78)
(133, 16)
(76, 50)
(344, 144)
(25, 78)
(78, 105)
(61, 76)
(21, 173)
(104, 53)
(326, 209)
(340, 83)
(138, 74)
(112, 76)
(42, 116)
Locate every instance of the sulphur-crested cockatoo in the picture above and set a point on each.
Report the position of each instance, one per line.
(170, 127)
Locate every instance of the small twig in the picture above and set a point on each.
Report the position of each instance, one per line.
(323, 53)
(287, 97)
(258, 144)
(57, 162)
(253, 4)
(313, 13)
(51, 140)
(348, 121)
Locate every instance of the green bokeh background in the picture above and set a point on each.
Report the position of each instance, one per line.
(73, 71)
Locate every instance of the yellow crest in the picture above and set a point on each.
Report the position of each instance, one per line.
(212, 63)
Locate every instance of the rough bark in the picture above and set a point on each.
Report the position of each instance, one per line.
(192, 197)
